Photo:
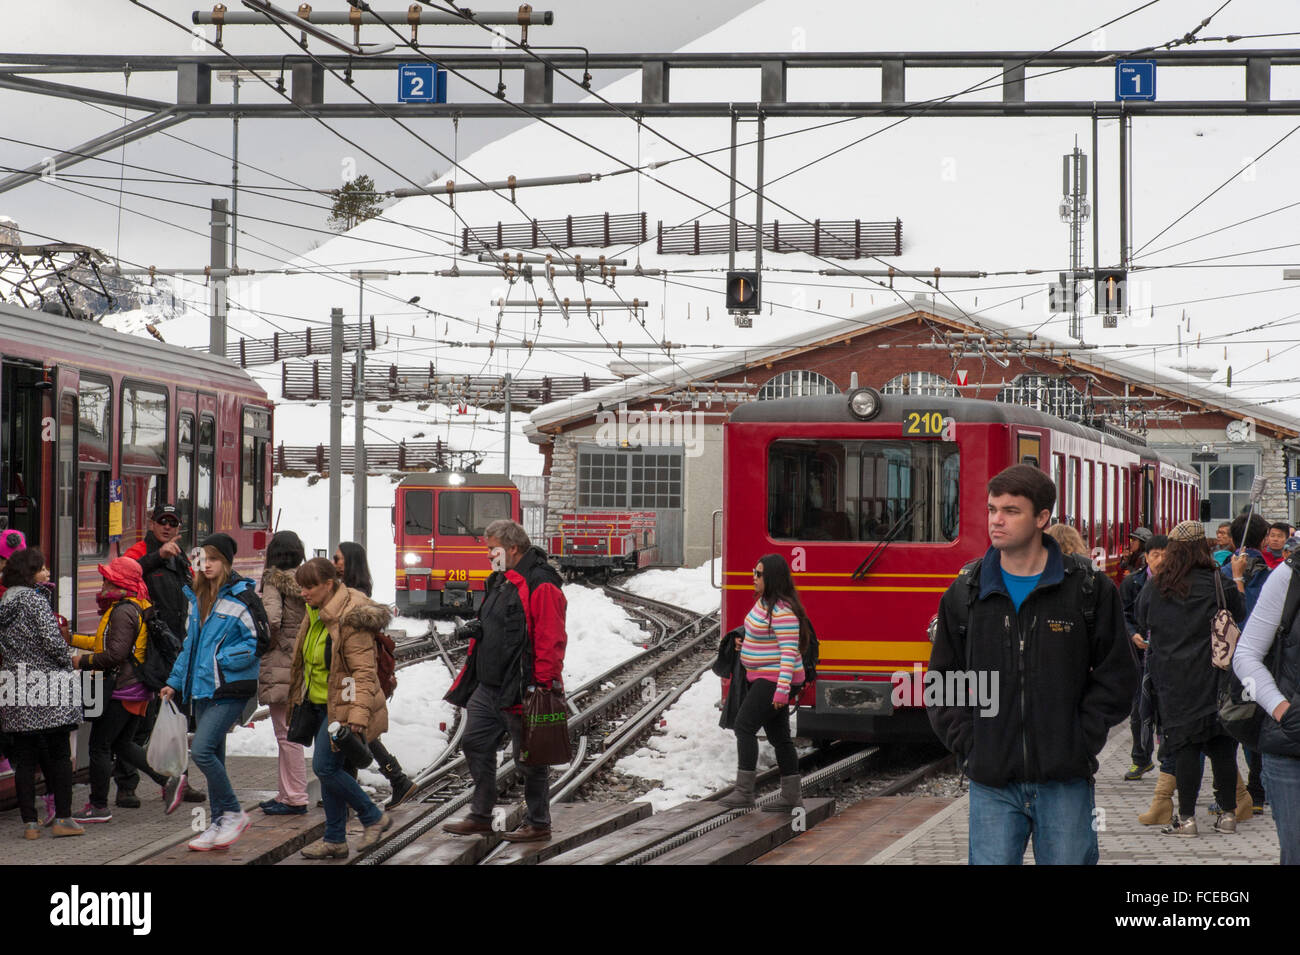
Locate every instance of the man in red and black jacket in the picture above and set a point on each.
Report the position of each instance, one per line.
(518, 644)
(167, 573)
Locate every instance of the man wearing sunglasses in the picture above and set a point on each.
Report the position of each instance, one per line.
(167, 573)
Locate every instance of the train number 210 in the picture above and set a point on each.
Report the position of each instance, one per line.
(927, 424)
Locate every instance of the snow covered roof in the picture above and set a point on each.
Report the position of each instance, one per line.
(669, 379)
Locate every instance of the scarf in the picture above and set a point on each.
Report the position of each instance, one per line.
(105, 599)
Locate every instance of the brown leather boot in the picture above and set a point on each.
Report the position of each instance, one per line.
(1162, 803)
(1245, 805)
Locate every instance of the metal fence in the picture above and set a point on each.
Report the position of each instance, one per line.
(849, 239)
(267, 351)
(533, 491)
(311, 382)
(584, 232)
(426, 456)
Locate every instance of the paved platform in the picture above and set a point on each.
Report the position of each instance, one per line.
(942, 839)
(133, 834)
(857, 834)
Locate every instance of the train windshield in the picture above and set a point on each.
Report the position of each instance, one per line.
(858, 490)
(469, 512)
(417, 506)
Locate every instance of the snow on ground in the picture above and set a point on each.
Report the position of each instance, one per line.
(304, 509)
(691, 755)
(600, 634)
(687, 587)
(416, 717)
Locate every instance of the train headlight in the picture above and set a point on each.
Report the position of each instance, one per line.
(410, 559)
(865, 403)
(455, 478)
(932, 627)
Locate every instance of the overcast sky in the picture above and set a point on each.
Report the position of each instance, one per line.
(271, 152)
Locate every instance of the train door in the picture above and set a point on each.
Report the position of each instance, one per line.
(63, 560)
(185, 471)
(26, 426)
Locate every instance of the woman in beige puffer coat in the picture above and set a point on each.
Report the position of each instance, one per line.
(285, 611)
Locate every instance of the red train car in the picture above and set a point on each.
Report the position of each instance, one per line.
(96, 427)
(438, 523)
(877, 501)
(604, 541)
(83, 408)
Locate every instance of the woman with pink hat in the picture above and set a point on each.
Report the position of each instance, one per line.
(118, 647)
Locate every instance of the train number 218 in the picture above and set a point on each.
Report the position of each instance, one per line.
(458, 574)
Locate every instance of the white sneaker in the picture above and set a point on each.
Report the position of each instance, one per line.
(204, 842)
(229, 828)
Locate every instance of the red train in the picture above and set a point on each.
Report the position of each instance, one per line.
(877, 502)
(438, 523)
(89, 416)
(604, 542)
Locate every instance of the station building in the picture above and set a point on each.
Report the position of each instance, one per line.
(653, 441)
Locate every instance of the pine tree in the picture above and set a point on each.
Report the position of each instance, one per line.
(354, 203)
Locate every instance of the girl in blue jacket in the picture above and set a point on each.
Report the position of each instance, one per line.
(217, 671)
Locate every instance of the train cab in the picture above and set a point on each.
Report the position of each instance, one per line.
(876, 502)
(438, 524)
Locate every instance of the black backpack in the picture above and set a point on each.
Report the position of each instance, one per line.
(811, 655)
(160, 651)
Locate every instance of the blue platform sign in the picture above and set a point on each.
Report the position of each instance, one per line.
(421, 83)
(1135, 79)
(1293, 485)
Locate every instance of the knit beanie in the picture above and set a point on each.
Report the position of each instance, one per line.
(223, 543)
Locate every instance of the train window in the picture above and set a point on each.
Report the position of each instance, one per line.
(94, 425)
(861, 490)
(1027, 449)
(1103, 512)
(95, 421)
(144, 427)
(185, 475)
(252, 468)
(1071, 512)
(1116, 514)
(205, 489)
(417, 506)
(1058, 476)
(469, 512)
(143, 462)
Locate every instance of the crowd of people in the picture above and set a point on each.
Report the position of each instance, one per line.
(1161, 649)
(309, 643)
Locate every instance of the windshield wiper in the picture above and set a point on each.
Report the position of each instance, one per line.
(477, 539)
(869, 561)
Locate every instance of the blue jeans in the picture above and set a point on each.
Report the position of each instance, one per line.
(1059, 816)
(213, 719)
(1282, 783)
(338, 789)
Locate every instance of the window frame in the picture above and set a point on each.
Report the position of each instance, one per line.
(262, 436)
(103, 470)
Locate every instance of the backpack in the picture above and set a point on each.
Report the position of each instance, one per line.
(386, 663)
(1087, 592)
(1240, 715)
(247, 595)
(160, 651)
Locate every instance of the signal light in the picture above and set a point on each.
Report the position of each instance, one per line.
(1110, 291)
(743, 292)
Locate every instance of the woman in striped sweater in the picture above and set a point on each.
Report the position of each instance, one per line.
(776, 634)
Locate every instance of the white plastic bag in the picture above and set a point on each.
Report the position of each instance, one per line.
(168, 751)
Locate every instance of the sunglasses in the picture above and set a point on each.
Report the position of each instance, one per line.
(170, 522)
(758, 573)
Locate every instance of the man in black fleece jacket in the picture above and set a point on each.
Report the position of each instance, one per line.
(1044, 634)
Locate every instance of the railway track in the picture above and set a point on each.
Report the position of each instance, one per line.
(678, 636)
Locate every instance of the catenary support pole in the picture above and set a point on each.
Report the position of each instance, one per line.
(336, 425)
(217, 286)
